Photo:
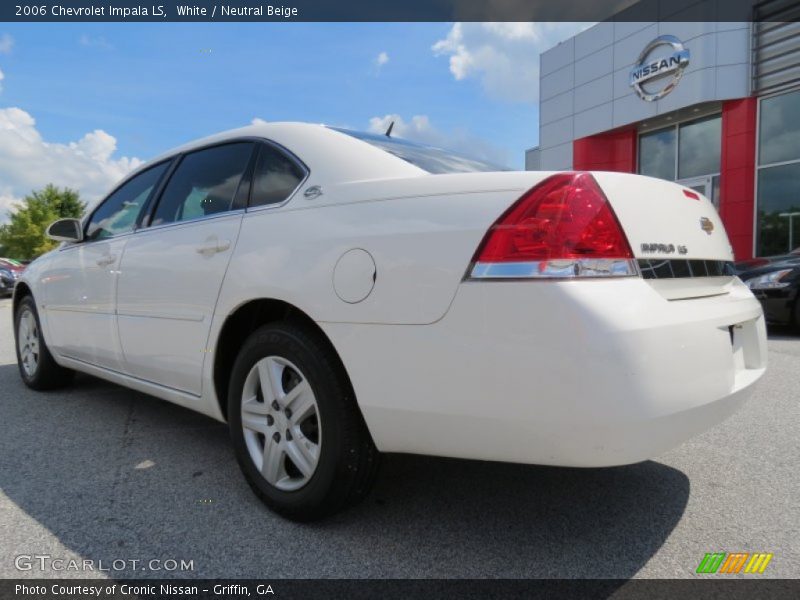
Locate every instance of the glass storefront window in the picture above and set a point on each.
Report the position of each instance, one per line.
(657, 154)
(682, 152)
(715, 186)
(699, 147)
(779, 130)
(778, 198)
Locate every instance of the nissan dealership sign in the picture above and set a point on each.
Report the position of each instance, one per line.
(659, 68)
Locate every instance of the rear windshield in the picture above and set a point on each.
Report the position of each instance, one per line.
(431, 159)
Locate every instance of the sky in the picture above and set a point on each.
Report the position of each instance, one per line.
(82, 104)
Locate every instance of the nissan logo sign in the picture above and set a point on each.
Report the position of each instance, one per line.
(669, 67)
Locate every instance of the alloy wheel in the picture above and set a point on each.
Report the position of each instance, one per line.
(28, 342)
(281, 423)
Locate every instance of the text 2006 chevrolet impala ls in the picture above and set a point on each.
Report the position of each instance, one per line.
(332, 294)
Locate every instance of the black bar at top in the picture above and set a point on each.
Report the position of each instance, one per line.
(393, 10)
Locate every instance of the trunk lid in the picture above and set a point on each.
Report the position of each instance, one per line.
(662, 222)
(675, 233)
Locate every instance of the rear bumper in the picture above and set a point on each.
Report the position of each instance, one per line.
(578, 373)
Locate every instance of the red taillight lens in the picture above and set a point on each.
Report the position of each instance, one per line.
(563, 220)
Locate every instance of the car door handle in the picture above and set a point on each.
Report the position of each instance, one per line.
(106, 260)
(214, 246)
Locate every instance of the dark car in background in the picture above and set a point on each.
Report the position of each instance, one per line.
(10, 270)
(775, 281)
(7, 281)
(11, 264)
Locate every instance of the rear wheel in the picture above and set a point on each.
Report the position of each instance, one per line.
(37, 367)
(298, 435)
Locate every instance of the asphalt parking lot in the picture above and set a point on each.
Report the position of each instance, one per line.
(103, 473)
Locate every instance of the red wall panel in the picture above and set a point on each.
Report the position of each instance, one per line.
(611, 151)
(737, 173)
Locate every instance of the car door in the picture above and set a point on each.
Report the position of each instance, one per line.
(172, 270)
(80, 280)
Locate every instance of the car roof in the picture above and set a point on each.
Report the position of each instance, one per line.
(331, 156)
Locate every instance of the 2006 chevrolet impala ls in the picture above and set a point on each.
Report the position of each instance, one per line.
(332, 294)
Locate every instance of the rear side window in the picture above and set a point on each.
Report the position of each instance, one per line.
(118, 213)
(276, 176)
(205, 183)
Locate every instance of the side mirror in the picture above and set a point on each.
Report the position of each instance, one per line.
(65, 230)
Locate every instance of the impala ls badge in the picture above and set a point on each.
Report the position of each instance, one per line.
(656, 248)
(706, 225)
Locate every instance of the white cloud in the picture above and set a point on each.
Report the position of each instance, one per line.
(7, 200)
(6, 43)
(94, 42)
(29, 162)
(1, 80)
(420, 129)
(381, 60)
(258, 121)
(504, 57)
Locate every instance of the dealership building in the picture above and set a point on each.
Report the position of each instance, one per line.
(711, 104)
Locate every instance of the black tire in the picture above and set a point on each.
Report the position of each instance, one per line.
(347, 460)
(47, 374)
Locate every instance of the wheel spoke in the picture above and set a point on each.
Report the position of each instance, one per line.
(272, 467)
(269, 375)
(253, 406)
(24, 328)
(256, 423)
(300, 401)
(301, 456)
(307, 447)
(254, 415)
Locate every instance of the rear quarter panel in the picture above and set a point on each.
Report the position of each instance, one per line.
(422, 245)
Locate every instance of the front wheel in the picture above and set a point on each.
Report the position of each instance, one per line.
(37, 367)
(298, 435)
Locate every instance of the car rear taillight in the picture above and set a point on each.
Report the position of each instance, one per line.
(562, 227)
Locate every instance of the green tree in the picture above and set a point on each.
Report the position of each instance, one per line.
(23, 236)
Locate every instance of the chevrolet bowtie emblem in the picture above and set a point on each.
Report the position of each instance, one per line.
(706, 225)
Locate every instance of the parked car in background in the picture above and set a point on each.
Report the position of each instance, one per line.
(7, 281)
(775, 281)
(12, 265)
(10, 271)
(333, 294)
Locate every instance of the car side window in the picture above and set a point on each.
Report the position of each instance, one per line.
(118, 213)
(204, 183)
(276, 177)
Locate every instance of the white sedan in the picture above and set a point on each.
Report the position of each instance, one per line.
(333, 295)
